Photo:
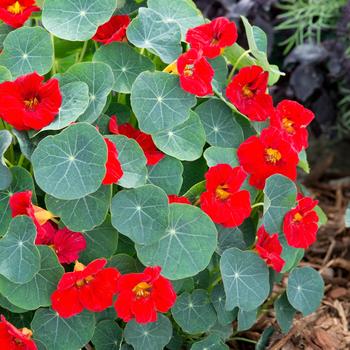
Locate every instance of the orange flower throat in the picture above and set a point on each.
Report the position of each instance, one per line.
(247, 92)
(142, 290)
(82, 282)
(272, 155)
(31, 103)
(222, 192)
(288, 125)
(16, 8)
(298, 217)
(188, 71)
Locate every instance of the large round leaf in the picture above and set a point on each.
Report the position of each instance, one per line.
(21, 181)
(27, 50)
(5, 173)
(149, 31)
(125, 62)
(219, 123)
(125, 263)
(19, 257)
(99, 78)
(305, 289)
(158, 101)
(75, 100)
(246, 279)
(36, 292)
(149, 336)
(82, 214)
(184, 141)
(188, 245)
(71, 165)
(166, 174)
(58, 333)
(76, 20)
(107, 336)
(141, 213)
(193, 312)
(132, 160)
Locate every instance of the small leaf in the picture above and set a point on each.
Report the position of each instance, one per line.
(246, 319)
(82, 214)
(19, 257)
(27, 50)
(184, 141)
(218, 299)
(37, 292)
(292, 256)
(71, 165)
(132, 160)
(166, 174)
(284, 312)
(158, 101)
(246, 279)
(149, 31)
(58, 333)
(219, 155)
(219, 65)
(212, 342)
(5, 74)
(25, 144)
(280, 195)
(76, 21)
(5, 173)
(126, 64)
(4, 30)
(305, 289)
(99, 78)
(303, 162)
(188, 245)
(107, 336)
(149, 336)
(141, 214)
(219, 123)
(194, 312)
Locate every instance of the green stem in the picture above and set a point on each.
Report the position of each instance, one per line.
(245, 340)
(218, 280)
(245, 53)
(53, 69)
(83, 51)
(255, 205)
(142, 51)
(8, 163)
(21, 160)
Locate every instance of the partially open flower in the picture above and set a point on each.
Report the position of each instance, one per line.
(114, 170)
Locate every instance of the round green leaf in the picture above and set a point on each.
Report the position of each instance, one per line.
(158, 101)
(4, 30)
(149, 336)
(124, 263)
(58, 333)
(71, 165)
(188, 245)
(99, 78)
(184, 141)
(305, 289)
(166, 174)
(125, 62)
(194, 312)
(27, 50)
(36, 292)
(132, 160)
(108, 336)
(212, 342)
(246, 279)
(19, 257)
(280, 195)
(182, 12)
(284, 312)
(76, 20)
(219, 123)
(141, 213)
(218, 299)
(219, 155)
(4, 303)
(21, 181)
(5, 74)
(246, 319)
(75, 100)
(5, 173)
(149, 31)
(101, 242)
(82, 214)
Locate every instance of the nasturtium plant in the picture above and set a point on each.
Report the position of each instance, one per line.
(148, 184)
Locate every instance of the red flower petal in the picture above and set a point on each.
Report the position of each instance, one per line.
(173, 198)
(66, 302)
(114, 170)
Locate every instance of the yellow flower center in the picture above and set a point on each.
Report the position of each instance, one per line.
(288, 125)
(298, 217)
(247, 92)
(142, 290)
(16, 8)
(272, 155)
(222, 193)
(31, 103)
(27, 332)
(188, 71)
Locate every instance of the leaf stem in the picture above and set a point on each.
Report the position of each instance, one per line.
(83, 51)
(21, 160)
(245, 53)
(245, 340)
(255, 205)
(8, 163)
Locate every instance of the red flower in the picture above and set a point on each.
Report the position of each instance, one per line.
(145, 141)
(68, 245)
(247, 91)
(266, 155)
(15, 13)
(269, 249)
(28, 103)
(90, 287)
(173, 198)
(113, 30)
(293, 118)
(114, 170)
(300, 225)
(12, 338)
(196, 74)
(223, 200)
(142, 295)
(213, 37)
